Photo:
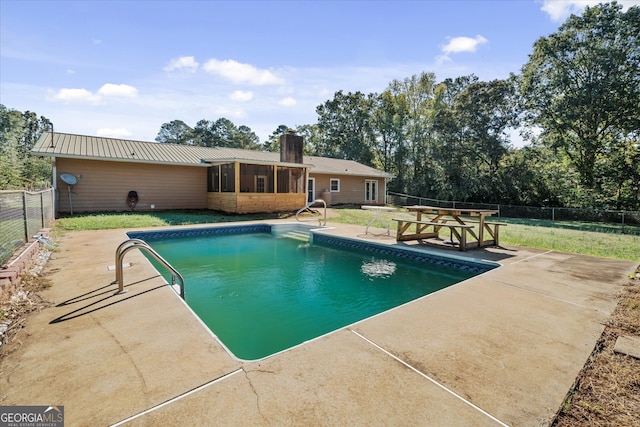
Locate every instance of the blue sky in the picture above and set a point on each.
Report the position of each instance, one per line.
(123, 68)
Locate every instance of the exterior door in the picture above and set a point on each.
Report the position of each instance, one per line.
(371, 191)
(311, 190)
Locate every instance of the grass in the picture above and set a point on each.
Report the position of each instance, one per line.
(568, 236)
(106, 221)
(559, 236)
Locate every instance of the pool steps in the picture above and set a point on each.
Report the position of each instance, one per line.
(303, 236)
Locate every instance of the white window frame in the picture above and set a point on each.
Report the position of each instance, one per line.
(372, 184)
(331, 181)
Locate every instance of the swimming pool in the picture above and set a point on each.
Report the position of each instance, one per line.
(261, 292)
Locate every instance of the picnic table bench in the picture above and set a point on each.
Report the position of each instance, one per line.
(460, 227)
(423, 226)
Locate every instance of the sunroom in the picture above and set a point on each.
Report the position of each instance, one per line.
(242, 187)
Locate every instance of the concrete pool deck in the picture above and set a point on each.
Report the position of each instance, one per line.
(502, 348)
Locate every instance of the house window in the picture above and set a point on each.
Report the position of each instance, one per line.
(370, 190)
(334, 185)
(260, 184)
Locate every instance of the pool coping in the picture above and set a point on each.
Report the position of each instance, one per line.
(474, 265)
(468, 349)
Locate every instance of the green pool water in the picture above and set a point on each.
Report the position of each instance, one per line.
(260, 294)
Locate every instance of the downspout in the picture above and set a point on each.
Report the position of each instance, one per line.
(54, 184)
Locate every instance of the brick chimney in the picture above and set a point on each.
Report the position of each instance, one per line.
(291, 147)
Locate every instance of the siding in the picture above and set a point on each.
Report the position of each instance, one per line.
(351, 189)
(104, 186)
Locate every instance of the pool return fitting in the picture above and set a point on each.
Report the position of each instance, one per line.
(140, 244)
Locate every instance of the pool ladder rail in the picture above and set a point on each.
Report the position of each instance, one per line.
(322, 220)
(140, 244)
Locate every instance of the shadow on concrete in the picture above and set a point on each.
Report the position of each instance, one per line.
(111, 295)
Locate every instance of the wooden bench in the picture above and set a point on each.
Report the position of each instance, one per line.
(457, 229)
(494, 233)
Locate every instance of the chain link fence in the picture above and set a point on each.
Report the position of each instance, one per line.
(23, 214)
(626, 222)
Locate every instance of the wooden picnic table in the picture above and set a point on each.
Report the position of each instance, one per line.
(463, 223)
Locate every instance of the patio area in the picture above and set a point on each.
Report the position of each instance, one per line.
(502, 348)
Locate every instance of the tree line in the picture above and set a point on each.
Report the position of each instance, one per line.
(576, 103)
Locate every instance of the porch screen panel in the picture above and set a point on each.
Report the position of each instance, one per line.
(228, 178)
(290, 180)
(256, 178)
(213, 179)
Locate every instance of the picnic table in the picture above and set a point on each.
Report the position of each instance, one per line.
(378, 216)
(460, 222)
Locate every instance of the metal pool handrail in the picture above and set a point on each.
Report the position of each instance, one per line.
(322, 221)
(142, 245)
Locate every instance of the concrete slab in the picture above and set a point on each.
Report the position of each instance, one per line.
(339, 380)
(628, 345)
(501, 348)
(106, 356)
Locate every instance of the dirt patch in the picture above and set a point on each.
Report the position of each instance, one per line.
(607, 391)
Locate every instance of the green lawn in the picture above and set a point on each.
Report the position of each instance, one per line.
(574, 237)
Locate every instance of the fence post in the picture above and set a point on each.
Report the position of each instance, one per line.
(24, 215)
(42, 209)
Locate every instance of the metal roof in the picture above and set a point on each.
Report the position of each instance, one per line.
(123, 150)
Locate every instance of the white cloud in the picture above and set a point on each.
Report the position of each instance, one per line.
(238, 73)
(186, 63)
(559, 10)
(463, 44)
(118, 91)
(84, 96)
(241, 95)
(114, 133)
(287, 102)
(458, 45)
(79, 96)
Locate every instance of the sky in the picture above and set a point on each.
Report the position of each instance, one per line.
(123, 68)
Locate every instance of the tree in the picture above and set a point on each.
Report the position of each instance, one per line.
(273, 143)
(18, 134)
(311, 138)
(175, 132)
(245, 138)
(344, 122)
(483, 111)
(581, 87)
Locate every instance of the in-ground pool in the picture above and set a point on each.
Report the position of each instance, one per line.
(261, 291)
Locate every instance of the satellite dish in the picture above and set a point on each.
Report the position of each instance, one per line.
(69, 179)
